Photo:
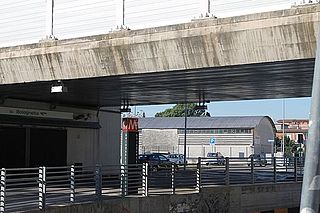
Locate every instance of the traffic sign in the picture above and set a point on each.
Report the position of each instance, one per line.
(212, 141)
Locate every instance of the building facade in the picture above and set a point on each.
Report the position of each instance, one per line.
(41, 134)
(295, 129)
(232, 136)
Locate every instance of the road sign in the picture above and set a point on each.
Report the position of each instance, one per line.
(212, 141)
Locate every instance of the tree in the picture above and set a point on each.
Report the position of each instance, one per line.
(289, 145)
(178, 111)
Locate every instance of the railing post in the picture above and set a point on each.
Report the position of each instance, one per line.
(198, 188)
(286, 163)
(295, 169)
(124, 182)
(42, 187)
(145, 179)
(3, 190)
(98, 181)
(227, 173)
(173, 187)
(252, 170)
(274, 169)
(72, 184)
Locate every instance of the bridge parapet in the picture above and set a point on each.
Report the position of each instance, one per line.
(265, 37)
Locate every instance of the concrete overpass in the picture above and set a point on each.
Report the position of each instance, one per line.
(266, 55)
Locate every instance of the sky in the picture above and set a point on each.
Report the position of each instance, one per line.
(294, 108)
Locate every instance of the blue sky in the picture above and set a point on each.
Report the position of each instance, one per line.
(297, 108)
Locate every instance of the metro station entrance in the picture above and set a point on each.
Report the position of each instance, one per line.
(32, 147)
(48, 147)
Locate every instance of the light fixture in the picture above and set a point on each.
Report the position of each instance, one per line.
(202, 102)
(125, 106)
(58, 87)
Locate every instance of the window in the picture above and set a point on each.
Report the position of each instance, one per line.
(162, 158)
(154, 157)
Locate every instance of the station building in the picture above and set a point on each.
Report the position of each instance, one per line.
(36, 134)
(232, 136)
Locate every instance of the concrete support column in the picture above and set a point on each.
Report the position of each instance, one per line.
(310, 194)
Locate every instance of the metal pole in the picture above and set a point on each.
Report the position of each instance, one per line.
(283, 116)
(3, 190)
(173, 179)
(295, 170)
(145, 179)
(311, 185)
(49, 19)
(123, 181)
(227, 174)
(185, 137)
(42, 187)
(123, 12)
(274, 169)
(252, 170)
(198, 188)
(72, 183)
(98, 181)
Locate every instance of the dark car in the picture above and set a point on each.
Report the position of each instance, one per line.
(156, 161)
(258, 160)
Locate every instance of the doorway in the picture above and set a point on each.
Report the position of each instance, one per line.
(12, 147)
(48, 147)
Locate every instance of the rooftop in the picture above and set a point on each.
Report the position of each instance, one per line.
(201, 122)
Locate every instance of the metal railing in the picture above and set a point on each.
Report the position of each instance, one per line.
(38, 188)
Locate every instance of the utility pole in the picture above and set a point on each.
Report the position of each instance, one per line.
(311, 179)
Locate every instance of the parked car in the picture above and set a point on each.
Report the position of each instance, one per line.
(215, 158)
(156, 161)
(176, 158)
(258, 160)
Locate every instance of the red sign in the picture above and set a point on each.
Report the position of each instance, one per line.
(130, 125)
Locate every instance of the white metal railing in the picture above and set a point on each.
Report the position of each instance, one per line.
(31, 188)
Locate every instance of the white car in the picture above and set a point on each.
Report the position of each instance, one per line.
(176, 158)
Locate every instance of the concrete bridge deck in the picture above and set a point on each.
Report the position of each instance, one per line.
(265, 55)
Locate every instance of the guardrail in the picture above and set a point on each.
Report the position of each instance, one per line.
(31, 188)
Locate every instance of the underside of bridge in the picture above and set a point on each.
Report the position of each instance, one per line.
(285, 79)
(259, 56)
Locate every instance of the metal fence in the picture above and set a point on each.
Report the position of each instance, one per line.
(38, 188)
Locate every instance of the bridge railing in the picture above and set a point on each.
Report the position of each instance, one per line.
(38, 188)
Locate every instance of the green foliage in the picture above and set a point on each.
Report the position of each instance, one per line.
(178, 111)
(290, 147)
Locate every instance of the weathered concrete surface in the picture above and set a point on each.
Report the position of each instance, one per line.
(222, 199)
(265, 37)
